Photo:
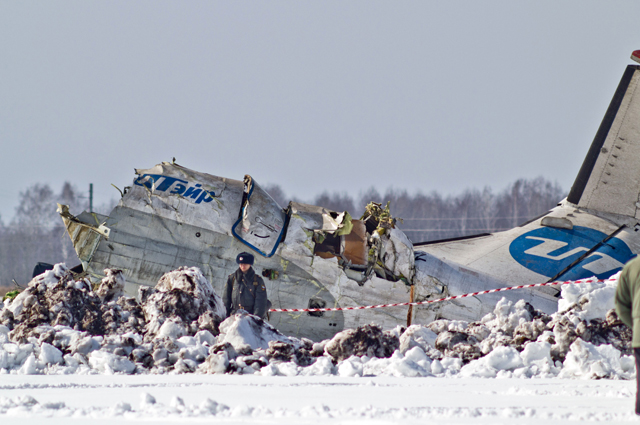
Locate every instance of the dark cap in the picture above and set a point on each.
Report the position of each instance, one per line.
(244, 258)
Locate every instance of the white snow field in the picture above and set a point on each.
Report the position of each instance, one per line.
(308, 400)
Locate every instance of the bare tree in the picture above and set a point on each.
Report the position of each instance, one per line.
(36, 209)
(277, 194)
(106, 207)
(335, 201)
(36, 233)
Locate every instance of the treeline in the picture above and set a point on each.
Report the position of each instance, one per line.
(36, 232)
(427, 217)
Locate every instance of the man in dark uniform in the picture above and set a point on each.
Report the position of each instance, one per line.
(245, 290)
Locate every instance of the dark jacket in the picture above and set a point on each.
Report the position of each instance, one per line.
(245, 291)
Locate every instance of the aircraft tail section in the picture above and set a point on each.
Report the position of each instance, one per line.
(609, 179)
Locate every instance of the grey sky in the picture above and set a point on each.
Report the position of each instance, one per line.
(313, 96)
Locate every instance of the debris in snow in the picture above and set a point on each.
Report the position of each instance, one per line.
(58, 325)
(284, 352)
(458, 344)
(368, 340)
(112, 285)
(54, 298)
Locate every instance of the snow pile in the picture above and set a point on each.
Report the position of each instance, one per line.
(59, 326)
(586, 360)
(248, 332)
(589, 300)
(368, 340)
(112, 286)
(55, 299)
(182, 302)
(584, 340)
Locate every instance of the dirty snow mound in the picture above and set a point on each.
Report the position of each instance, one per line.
(112, 285)
(368, 340)
(182, 302)
(54, 298)
(584, 340)
(59, 325)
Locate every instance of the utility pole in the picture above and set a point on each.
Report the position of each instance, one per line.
(90, 197)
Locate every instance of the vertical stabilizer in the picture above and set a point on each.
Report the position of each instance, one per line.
(609, 179)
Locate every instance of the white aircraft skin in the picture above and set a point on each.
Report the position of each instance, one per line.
(594, 231)
(172, 216)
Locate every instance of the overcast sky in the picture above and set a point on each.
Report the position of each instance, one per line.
(313, 96)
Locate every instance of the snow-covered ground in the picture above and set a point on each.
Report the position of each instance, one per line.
(309, 400)
(69, 352)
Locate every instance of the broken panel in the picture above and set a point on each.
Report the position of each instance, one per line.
(355, 244)
(261, 221)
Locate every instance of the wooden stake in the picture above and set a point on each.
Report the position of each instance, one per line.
(410, 312)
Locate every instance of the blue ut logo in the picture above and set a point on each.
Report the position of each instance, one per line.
(548, 251)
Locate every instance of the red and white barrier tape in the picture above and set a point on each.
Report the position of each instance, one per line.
(366, 307)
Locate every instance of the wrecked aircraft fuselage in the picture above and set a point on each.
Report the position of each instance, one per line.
(310, 257)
